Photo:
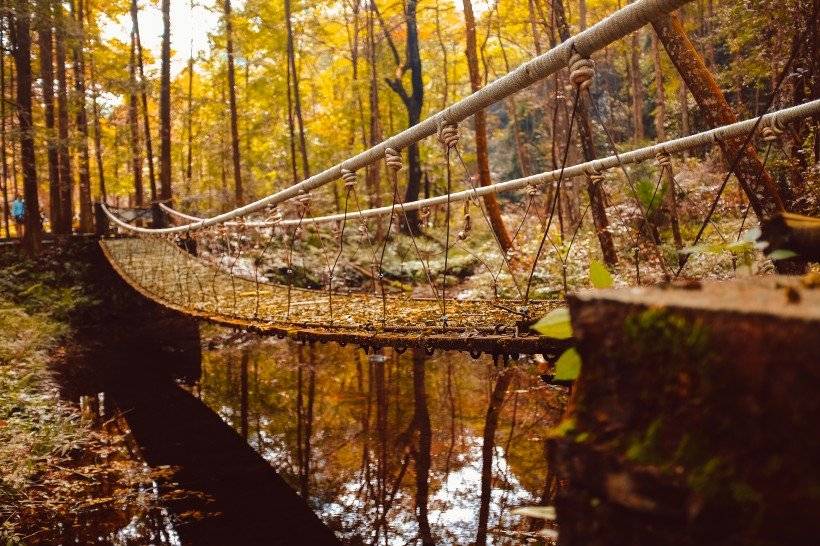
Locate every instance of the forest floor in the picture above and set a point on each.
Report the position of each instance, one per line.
(59, 467)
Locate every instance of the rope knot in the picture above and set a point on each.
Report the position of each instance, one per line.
(448, 134)
(349, 177)
(424, 213)
(595, 176)
(393, 159)
(773, 130)
(304, 201)
(581, 71)
(532, 190)
(663, 160)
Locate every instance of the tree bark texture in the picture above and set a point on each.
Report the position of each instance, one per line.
(763, 194)
(22, 61)
(597, 199)
(480, 124)
(237, 167)
(165, 105)
(46, 39)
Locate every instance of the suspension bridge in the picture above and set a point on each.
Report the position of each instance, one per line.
(333, 282)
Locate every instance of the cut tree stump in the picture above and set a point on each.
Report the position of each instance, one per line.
(696, 415)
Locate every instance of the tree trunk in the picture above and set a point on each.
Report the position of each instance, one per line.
(487, 449)
(373, 171)
(637, 86)
(97, 135)
(660, 92)
(412, 103)
(594, 190)
(143, 86)
(480, 124)
(22, 60)
(136, 157)
(165, 105)
(189, 169)
(3, 158)
(46, 39)
(237, 169)
(297, 98)
(86, 212)
(63, 149)
(763, 195)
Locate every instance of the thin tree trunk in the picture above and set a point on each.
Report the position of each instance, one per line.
(487, 449)
(594, 190)
(46, 39)
(412, 103)
(63, 149)
(143, 86)
(660, 92)
(3, 158)
(237, 169)
(297, 99)
(98, 154)
(637, 86)
(165, 105)
(189, 169)
(763, 195)
(373, 171)
(480, 125)
(136, 157)
(86, 218)
(22, 60)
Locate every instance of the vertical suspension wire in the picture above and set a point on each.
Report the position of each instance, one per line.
(274, 217)
(289, 271)
(505, 258)
(240, 230)
(350, 183)
(446, 240)
(393, 160)
(775, 91)
(555, 195)
(363, 229)
(644, 214)
(770, 137)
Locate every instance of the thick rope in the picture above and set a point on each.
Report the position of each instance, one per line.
(621, 23)
(705, 138)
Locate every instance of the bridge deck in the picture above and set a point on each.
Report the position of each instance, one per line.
(174, 278)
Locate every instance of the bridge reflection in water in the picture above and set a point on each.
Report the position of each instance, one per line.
(356, 433)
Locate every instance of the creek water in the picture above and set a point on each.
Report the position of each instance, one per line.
(353, 433)
(386, 449)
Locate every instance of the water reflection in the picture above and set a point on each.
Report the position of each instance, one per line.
(391, 448)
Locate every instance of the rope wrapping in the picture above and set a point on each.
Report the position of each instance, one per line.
(581, 71)
(349, 178)
(393, 159)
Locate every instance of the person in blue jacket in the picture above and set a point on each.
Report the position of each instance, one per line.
(18, 213)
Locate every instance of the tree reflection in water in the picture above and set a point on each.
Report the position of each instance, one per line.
(391, 448)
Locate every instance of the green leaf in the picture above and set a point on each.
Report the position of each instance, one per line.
(568, 366)
(555, 324)
(782, 254)
(599, 275)
(540, 512)
(751, 235)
